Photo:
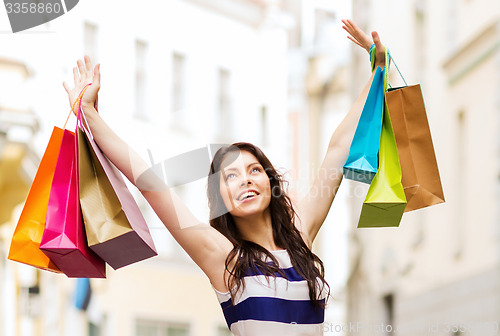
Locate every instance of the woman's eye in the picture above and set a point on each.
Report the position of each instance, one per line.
(256, 170)
(230, 176)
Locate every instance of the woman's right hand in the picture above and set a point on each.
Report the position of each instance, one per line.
(84, 75)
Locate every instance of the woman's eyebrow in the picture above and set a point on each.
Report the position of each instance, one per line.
(248, 166)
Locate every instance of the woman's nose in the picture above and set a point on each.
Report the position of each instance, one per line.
(245, 180)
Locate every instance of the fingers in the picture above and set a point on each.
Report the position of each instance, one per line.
(378, 44)
(352, 28)
(380, 50)
(83, 75)
(376, 40)
(355, 41)
(88, 63)
(352, 36)
(66, 87)
(97, 76)
(357, 35)
(81, 68)
(349, 25)
(85, 68)
(348, 31)
(83, 72)
(76, 76)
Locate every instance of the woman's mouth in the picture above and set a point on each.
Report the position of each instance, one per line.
(247, 195)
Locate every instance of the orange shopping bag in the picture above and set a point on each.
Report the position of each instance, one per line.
(28, 234)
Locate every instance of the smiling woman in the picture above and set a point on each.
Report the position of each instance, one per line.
(256, 251)
(244, 184)
(259, 220)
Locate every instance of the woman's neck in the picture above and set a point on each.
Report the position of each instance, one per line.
(258, 229)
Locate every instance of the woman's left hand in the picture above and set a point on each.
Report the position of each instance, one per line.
(358, 36)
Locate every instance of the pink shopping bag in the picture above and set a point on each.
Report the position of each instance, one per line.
(64, 240)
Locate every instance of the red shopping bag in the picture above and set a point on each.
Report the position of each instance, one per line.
(64, 240)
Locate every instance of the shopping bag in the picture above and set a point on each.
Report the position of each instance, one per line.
(385, 201)
(115, 227)
(362, 162)
(64, 240)
(420, 174)
(25, 245)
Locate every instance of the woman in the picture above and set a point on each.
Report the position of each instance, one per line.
(257, 250)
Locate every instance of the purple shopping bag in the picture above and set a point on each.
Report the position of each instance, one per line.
(115, 227)
(64, 240)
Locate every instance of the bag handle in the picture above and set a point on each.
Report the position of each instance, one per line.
(372, 51)
(79, 98)
(81, 116)
(400, 74)
(388, 57)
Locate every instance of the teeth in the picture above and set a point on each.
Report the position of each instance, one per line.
(248, 194)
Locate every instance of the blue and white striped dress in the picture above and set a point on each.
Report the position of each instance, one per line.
(273, 306)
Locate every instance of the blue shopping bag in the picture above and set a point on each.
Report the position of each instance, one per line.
(362, 162)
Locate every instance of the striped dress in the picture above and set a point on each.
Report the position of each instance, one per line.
(273, 306)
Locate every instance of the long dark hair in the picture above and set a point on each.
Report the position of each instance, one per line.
(248, 255)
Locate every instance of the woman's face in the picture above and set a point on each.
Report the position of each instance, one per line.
(244, 185)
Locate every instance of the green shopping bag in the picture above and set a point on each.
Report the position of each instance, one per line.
(385, 201)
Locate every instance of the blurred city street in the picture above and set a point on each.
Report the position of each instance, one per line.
(179, 75)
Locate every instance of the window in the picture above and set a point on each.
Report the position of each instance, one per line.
(3, 139)
(461, 156)
(94, 329)
(325, 28)
(141, 48)
(161, 328)
(224, 116)
(452, 26)
(90, 40)
(223, 331)
(178, 86)
(420, 39)
(294, 9)
(389, 311)
(30, 301)
(177, 331)
(264, 125)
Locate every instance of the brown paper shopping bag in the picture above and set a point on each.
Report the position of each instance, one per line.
(420, 174)
(116, 229)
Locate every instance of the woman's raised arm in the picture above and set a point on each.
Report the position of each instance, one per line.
(205, 245)
(314, 207)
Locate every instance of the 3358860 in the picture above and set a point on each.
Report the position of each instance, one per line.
(33, 8)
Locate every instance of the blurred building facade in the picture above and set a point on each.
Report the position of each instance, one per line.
(439, 272)
(18, 162)
(176, 75)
